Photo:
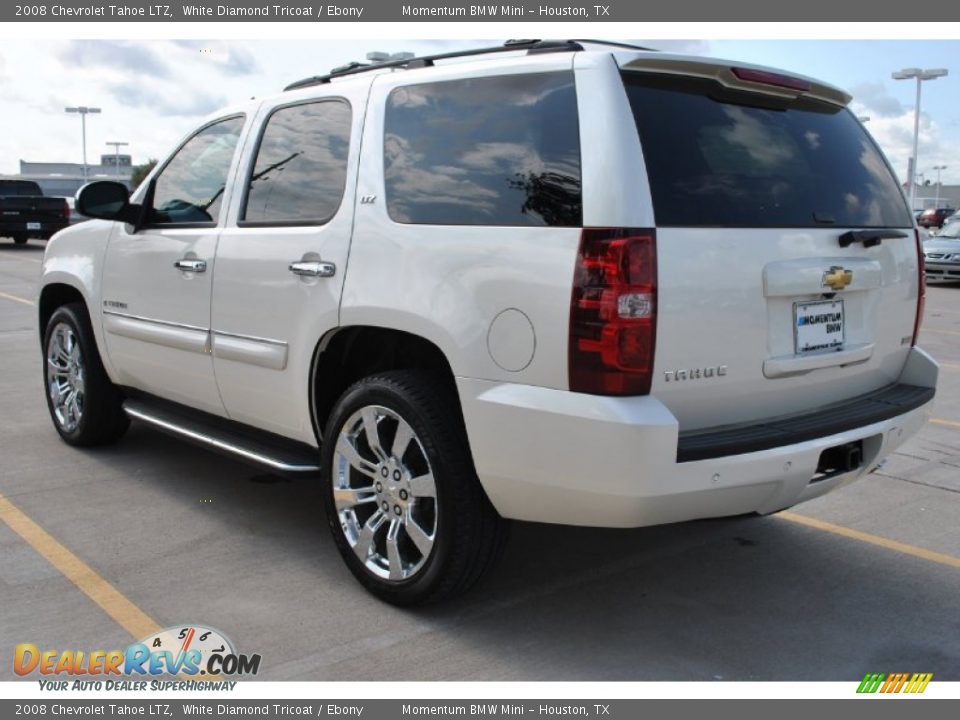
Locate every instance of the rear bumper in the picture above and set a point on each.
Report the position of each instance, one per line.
(9, 228)
(554, 456)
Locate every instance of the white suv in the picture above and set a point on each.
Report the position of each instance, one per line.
(560, 282)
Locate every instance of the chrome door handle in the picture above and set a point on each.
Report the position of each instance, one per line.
(187, 265)
(313, 269)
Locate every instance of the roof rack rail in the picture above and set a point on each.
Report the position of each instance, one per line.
(531, 46)
(354, 68)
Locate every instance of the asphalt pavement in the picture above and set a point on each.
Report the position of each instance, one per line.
(154, 532)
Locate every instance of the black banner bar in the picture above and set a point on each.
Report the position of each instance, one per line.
(934, 11)
(164, 709)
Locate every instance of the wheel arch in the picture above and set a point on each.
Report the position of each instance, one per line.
(55, 295)
(348, 354)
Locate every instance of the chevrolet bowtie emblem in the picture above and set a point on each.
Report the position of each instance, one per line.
(837, 278)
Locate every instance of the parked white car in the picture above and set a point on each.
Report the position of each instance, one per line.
(560, 282)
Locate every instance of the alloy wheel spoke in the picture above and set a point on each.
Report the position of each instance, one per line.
(393, 551)
(424, 486)
(418, 535)
(55, 369)
(370, 427)
(366, 537)
(402, 439)
(351, 497)
(347, 449)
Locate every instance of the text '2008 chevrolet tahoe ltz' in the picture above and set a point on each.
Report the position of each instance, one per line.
(559, 282)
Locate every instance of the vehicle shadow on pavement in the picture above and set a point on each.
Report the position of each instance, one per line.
(748, 598)
(30, 246)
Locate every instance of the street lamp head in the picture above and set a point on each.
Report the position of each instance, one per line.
(906, 74)
(933, 73)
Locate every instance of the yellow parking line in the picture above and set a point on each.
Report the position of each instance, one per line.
(912, 550)
(950, 366)
(947, 423)
(106, 596)
(16, 299)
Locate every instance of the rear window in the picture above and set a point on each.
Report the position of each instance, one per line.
(720, 158)
(19, 187)
(501, 150)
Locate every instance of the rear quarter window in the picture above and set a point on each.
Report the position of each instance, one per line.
(717, 158)
(501, 150)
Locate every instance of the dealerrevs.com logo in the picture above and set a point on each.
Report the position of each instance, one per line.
(192, 651)
(889, 683)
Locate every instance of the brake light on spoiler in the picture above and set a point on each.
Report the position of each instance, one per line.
(613, 312)
(764, 77)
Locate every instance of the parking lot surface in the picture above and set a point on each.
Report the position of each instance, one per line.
(99, 547)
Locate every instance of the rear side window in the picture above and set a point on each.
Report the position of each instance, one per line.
(501, 150)
(301, 165)
(718, 158)
(19, 188)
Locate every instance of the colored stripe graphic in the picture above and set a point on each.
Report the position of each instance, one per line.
(894, 683)
(871, 682)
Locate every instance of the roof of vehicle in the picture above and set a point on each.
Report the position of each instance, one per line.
(630, 57)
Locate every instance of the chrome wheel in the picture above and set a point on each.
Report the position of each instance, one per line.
(66, 377)
(384, 493)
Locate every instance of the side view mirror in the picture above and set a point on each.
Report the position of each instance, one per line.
(107, 200)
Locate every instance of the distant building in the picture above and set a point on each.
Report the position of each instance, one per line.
(64, 179)
(949, 196)
(929, 197)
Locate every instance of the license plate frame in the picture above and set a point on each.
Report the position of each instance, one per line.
(34, 226)
(821, 335)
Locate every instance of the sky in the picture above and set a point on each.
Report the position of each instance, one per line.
(152, 92)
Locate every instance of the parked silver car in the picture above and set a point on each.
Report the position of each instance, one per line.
(942, 252)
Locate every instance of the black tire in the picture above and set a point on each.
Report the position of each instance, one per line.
(102, 420)
(469, 535)
(20, 239)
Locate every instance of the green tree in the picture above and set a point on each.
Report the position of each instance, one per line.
(141, 171)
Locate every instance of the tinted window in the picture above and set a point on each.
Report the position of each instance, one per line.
(190, 188)
(718, 158)
(301, 166)
(19, 187)
(484, 151)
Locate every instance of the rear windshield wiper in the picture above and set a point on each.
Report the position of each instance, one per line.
(869, 238)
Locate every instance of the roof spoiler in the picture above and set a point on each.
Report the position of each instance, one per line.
(749, 78)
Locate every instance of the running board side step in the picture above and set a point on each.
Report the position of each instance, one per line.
(280, 455)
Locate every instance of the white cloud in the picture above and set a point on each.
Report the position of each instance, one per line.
(876, 99)
(895, 137)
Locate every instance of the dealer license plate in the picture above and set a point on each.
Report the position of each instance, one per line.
(818, 325)
(33, 226)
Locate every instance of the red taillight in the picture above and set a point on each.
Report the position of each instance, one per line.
(613, 312)
(769, 78)
(921, 288)
(66, 209)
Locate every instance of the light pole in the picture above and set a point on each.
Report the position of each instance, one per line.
(84, 111)
(938, 168)
(116, 155)
(920, 76)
